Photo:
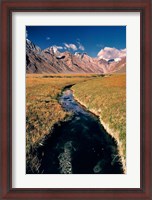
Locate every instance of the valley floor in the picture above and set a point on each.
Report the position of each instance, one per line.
(105, 96)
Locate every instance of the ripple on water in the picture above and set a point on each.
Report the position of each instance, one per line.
(97, 169)
(99, 166)
(65, 159)
(80, 146)
(68, 146)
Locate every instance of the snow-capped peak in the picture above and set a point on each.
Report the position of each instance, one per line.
(31, 46)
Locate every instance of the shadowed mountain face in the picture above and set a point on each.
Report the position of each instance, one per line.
(50, 60)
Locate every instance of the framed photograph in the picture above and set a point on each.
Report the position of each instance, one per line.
(76, 99)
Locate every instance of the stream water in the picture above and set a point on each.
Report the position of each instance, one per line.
(79, 145)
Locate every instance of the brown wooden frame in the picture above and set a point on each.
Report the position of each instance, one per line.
(9, 6)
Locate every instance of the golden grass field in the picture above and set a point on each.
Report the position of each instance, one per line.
(105, 96)
(43, 109)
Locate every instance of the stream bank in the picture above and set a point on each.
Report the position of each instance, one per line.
(109, 131)
(80, 145)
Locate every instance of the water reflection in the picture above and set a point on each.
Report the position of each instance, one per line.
(80, 145)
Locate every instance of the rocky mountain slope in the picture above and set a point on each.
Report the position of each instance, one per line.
(50, 60)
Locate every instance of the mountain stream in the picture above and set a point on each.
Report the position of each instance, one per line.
(79, 145)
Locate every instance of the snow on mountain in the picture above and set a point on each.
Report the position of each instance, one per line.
(31, 46)
(80, 55)
(117, 59)
(52, 50)
(51, 60)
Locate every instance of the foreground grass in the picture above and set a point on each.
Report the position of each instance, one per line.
(43, 110)
(106, 97)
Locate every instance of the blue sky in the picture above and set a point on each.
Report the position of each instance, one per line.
(89, 39)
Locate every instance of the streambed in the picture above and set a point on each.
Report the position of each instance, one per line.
(79, 145)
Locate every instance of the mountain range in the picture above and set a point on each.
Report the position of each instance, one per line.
(51, 60)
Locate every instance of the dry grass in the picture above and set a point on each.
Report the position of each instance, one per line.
(106, 97)
(43, 109)
(61, 75)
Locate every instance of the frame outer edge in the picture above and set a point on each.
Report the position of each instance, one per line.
(6, 192)
(5, 111)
